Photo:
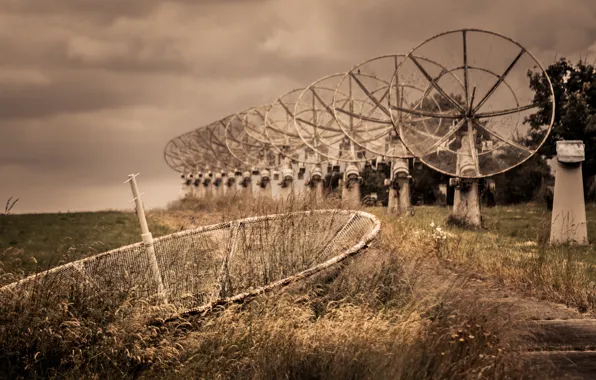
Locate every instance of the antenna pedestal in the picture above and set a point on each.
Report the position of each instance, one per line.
(207, 186)
(182, 193)
(199, 189)
(218, 185)
(254, 182)
(287, 184)
(230, 184)
(351, 187)
(265, 184)
(315, 184)
(568, 223)
(238, 182)
(187, 187)
(466, 202)
(399, 188)
(246, 185)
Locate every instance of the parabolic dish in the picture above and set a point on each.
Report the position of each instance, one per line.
(483, 91)
(281, 131)
(244, 147)
(369, 83)
(316, 123)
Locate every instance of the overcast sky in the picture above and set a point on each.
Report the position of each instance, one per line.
(92, 90)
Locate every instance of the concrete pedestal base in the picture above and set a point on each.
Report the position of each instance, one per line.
(200, 191)
(265, 191)
(218, 190)
(404, 196)
(466, 206)
(286, 192)
(568, 224)
(351, 195)
(393, 202)
(399, 199)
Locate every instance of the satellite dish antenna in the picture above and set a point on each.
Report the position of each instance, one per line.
(370, 83)
(252, 152)
(200, 139)
(485, 96)
(191, 159)
(176, 160)
(255, 125)
(215, 140)
(204, 162)
(317, 125)
(288, 144)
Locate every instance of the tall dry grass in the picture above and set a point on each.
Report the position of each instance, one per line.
(518, 256)
(388, 313)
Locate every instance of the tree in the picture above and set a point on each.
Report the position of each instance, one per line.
(510, 189)
(574, 87)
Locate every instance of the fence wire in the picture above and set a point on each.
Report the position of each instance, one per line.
(215, 264)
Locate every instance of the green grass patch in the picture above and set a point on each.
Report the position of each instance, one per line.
(514, 247)
(40, 241)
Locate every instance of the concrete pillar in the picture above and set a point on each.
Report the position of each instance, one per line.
(265, 184)
(208, 185)
(351, 187)
(315, 184)
(199, 189)
(287, 184)
(238, 182)
(399, 188)
(466, 201)
(568, 223)
(246, 184)
(230, 184)
(218, 185)
(182, 193)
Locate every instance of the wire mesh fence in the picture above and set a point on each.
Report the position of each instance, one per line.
(211, 265)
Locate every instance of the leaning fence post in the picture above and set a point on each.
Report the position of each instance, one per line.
(146, 236)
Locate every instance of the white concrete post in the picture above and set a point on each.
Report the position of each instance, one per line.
(147, 237)
(568, 223)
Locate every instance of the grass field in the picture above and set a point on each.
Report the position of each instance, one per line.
(404, 309)
(38, 241)
(513, 248)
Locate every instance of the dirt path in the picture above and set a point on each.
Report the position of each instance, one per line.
(562, 338)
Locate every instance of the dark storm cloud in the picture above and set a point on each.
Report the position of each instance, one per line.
(32, 101)
(93, 89)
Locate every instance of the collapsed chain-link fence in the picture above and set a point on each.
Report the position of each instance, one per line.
(212, 265)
